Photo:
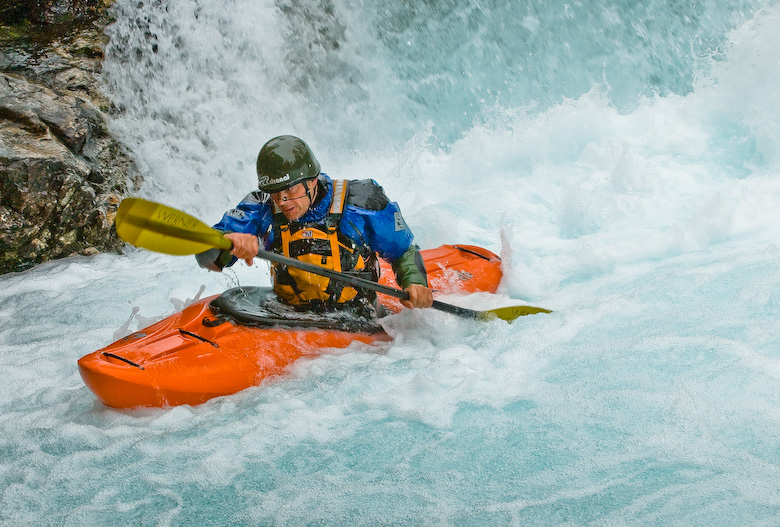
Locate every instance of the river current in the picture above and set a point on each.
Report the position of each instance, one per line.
(621, 157)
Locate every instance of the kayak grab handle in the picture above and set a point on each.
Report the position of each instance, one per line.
(475, 253)
(128, 361)
(212, 322)
(196, 336)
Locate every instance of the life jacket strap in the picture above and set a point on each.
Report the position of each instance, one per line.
(285, 231)
(336, 210)
(340, 187)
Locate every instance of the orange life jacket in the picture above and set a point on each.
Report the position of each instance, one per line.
(323, 245)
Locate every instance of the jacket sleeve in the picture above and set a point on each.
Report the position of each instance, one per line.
(251, 216)
(410, 268)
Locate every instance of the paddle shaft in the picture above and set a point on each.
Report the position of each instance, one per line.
(360, 282)
(163, 229)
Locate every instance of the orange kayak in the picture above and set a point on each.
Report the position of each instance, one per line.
(225, 343)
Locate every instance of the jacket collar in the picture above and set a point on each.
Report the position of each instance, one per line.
(319, 210)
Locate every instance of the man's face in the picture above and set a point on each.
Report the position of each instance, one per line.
(293, 201)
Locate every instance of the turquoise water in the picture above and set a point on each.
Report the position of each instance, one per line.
(622, 159)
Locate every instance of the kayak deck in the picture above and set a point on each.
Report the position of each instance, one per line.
(199, 353)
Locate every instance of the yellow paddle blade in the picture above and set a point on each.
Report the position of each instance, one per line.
(162, 229)
(510, 313)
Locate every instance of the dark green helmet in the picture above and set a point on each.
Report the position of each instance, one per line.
(284, 161)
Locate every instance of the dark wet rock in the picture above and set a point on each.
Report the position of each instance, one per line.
(62, 174)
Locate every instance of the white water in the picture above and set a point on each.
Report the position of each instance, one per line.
(623, 161)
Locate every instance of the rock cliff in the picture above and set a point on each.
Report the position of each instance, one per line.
(62, 174)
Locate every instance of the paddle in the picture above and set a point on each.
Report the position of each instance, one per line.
(166, 230)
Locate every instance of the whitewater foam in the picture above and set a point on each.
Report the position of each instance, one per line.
(635, 194)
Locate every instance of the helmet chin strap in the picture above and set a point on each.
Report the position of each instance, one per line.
(308, 192)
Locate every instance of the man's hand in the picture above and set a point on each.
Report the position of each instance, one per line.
(419, 296)
(245, 246)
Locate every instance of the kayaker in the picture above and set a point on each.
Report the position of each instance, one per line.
(343, 225)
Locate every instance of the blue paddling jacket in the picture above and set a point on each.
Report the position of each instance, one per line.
(369, 219)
